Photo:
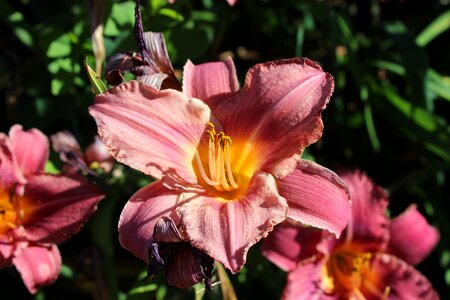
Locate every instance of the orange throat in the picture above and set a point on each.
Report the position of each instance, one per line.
(345, 271)
(224, 167)
(11, 214)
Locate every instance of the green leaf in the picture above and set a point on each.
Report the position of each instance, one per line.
(50, 168)
(143, 289)
(123, 13)
(435, 28)
(438, 84)
(171, 14)
(59, 47)
(56, 86)
(97, 84)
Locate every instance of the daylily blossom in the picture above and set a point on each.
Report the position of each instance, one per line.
(371, 260)
(227, 160)
(37, 210)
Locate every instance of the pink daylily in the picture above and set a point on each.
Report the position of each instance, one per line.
(226, 159)
(37, 210)
(371, 260)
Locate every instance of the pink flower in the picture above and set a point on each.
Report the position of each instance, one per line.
(371, 260)
(227, 160)
(37, 210)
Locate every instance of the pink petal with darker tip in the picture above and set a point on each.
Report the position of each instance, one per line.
(155, 132)
(316, 196)
(411, 227)
(30, 149)
(399, 280)
(278, 110)
(289, 243)
(211, 79)
(141, 214)
(369, 223)
(56, 206)
(226, 229)
(38, 266)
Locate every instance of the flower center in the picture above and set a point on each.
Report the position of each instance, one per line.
(345, 271)
(220, 174)
(11, 215)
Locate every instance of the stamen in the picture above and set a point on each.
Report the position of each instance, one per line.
(220, 172)
(223, 179)
(228, 164)
(387, 291)
(211, 159)
(202, 171)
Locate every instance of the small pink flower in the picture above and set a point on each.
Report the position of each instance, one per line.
(37, 210)
(371, 260)
(227, 160)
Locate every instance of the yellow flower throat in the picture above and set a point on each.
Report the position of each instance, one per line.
(219, 162)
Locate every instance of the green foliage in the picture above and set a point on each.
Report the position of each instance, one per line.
(389, 114)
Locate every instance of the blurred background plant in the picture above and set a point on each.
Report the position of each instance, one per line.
(389, 114)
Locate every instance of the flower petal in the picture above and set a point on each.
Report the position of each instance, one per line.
(278, 110)
(56, 206)
(140, 215)
(10, 173)
(225, 230)
(400, 281)
(6, 251)
(210, 79)
(369, 223)
(412, 226)
(289, 243)
(30, 149)
(38, 266)
(304, 282)
(316, 196)
(156, 132)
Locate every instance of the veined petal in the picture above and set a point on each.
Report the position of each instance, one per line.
(10, 174)
(210, 79)
(140, 215)
(156, 132)
(30, 149)
(316, 196)
(369, 223)
(225, 230)
(399, 280)
(57, 206)
(38, 266)
(412, 226)
(289, 243)
(278, 110)
(305, 281)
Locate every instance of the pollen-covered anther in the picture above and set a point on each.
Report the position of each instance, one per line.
(219, 161)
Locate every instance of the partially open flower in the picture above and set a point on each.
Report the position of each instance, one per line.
(37, 210)
(96, 154)
(371, 260)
